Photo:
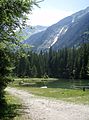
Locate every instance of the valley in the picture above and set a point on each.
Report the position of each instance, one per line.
(44, 70)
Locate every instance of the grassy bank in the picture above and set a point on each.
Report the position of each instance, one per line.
(61, 93)
(51, 82)
(75, 96)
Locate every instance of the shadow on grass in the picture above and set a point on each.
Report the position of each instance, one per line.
(9, 112)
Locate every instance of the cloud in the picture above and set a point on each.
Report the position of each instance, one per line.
(46, 17)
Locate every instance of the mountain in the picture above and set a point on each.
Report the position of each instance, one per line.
(28, 30)
(66, 33)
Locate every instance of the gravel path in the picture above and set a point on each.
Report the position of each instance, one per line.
(49, 109)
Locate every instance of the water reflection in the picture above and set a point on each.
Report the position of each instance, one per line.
(67, 83)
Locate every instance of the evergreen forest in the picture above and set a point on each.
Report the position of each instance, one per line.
(69, 63)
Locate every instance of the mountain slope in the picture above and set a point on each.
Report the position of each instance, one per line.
(28, 30)
(73, 35)
(65, 33)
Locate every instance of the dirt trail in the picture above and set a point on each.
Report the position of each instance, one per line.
(47, 109)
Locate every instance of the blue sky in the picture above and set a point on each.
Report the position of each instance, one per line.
(52, 11)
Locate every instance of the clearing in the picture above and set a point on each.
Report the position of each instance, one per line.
(39, 108)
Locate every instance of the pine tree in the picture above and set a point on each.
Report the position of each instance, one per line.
(34, 71)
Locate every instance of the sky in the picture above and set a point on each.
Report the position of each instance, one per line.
(52, 11)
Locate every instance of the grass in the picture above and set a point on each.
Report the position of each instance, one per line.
(70, 95)
(35, 82)
(11, 110)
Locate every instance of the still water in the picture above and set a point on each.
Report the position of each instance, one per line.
(67, 83)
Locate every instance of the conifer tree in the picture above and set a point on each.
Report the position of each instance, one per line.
(12, 16)
(34, 71)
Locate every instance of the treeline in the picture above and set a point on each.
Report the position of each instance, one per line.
(65, 63)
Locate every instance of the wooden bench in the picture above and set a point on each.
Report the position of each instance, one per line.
(82, 87)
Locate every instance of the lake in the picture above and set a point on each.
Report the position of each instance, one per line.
(67, 83)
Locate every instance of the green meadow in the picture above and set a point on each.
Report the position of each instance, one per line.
(61, 89)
